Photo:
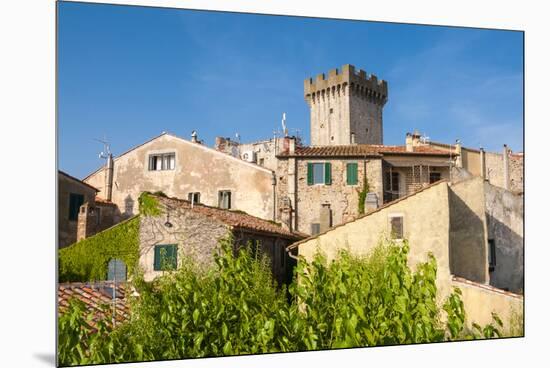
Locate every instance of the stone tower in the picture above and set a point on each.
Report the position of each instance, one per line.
(345, 108)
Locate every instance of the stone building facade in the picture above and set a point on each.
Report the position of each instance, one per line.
(187, 170)
(504, 169)
(345, 107)
(312, 205)
(195, 231)
(95, 216)
(71, 194)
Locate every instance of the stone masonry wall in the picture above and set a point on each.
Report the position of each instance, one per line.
(516, 173)
(195, 235)
(342, 198)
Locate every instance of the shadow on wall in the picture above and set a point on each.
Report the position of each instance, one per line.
(508, 271)
(467, 241)
(128, 207)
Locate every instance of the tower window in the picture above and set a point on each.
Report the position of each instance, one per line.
(331, 110)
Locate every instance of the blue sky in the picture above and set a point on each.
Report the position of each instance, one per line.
(129, 73)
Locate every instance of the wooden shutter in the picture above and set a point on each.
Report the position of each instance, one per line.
(328, 174)
(309, 173)
(156, 265)
(351, 173)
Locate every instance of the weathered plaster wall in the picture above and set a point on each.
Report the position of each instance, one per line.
(495, 168)
(342, 198)
(504, 211)
(425, 225)
(480, 301)
(468, 230)
(197, 169)
(67, 229)
(471, 161)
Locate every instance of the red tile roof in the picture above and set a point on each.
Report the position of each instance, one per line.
(361, 150)
(233, 218)
(104, 202)
(94, 295)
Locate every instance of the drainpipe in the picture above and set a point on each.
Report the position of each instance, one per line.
(289, 252)
(109, 177)
(506, 167)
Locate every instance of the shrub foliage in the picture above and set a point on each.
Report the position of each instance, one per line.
(237, 308)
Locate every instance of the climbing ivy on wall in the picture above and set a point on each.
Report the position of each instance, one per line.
(363, 196)
(149, 205)
(87, 259)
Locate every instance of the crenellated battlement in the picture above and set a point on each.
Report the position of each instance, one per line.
(346, 80)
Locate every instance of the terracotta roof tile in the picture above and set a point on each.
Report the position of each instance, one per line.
(360, 150)
(95, 295)
(236, 219)
(102, 201)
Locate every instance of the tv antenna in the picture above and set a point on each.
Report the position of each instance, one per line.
(106, 147)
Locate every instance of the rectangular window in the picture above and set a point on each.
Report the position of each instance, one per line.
(166, 257)
(396, 227)
(315, 229)
(351, 173)
(75, 201)
(194, 197)
(319, 173)
(435, 176)
(163, 161)
(491, 249)
(224, 199)
(394, 182)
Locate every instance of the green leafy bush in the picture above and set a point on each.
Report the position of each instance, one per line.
(87, 259)
(236, 308)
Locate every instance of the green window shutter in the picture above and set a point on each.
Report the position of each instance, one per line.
(156, 265)
(173, 256)
(166, 257)
(351, 174)
(309, 173)
(328, 174)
